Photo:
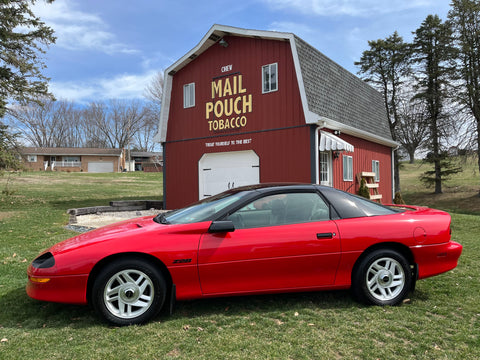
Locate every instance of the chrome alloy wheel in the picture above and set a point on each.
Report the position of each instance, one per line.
(385, 279)
(129, 293)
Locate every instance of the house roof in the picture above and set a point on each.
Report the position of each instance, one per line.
(70, 151)
(331, 96)
(146, 154)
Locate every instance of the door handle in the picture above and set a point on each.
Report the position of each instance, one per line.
(325, 235)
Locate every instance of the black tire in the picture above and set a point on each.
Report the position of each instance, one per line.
(382, 277)
(129, 291)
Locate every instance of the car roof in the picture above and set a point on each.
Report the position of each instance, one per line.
(268, 187)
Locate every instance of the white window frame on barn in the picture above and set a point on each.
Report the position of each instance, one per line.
(189, 95)
(32, 158)
(269, 78)
(376, 169)
(325, 168)
(347, 168)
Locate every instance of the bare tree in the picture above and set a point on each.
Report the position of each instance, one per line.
(460, 130)
(94, 114)
(73, 135)
(465, 18)
(114, 124)
(49, 124)
(154, 91)
(412, 129)
(143, 138)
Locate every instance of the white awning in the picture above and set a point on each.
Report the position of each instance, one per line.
(330, 142)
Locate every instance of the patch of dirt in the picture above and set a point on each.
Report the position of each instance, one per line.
(7, 214)
(4, 215)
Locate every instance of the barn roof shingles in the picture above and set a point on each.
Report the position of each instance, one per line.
(337, 94)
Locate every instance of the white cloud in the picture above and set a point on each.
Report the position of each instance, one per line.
(123, 86)
(285, 26)
(361, 8)
(78, 30)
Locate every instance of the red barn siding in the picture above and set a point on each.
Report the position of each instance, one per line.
(284, 157)
(365, 152)
(278, 109)
(276, 125)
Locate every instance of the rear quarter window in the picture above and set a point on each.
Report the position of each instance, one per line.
(352, 206)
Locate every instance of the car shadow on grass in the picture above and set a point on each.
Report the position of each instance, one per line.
(265, 303)
(27, 313)
(20, 311)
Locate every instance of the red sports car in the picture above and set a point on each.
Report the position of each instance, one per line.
(250, 240)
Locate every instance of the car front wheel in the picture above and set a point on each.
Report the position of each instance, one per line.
(128, 291)
(382, 277)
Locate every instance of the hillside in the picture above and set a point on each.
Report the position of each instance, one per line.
(460, 193)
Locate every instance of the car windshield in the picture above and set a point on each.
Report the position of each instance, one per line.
(203, 210)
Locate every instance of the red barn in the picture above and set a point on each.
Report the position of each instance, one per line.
(248, 106)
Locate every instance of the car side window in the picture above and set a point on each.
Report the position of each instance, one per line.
(281, 209)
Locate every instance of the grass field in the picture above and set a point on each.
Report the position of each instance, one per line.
(460, 192)
(441, 320)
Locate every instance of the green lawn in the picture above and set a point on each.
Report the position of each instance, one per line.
(441, 320)
(460, 193)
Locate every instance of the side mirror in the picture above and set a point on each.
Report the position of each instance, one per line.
(221, 226)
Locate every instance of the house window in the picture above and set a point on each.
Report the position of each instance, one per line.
(376, 169)
(347, 168)
(32, 158)
(188, 95)
(269, 78)
(71, 158)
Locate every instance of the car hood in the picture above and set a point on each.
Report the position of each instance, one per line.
(116, 230)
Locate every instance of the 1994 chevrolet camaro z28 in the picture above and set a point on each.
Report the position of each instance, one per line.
(251, 240)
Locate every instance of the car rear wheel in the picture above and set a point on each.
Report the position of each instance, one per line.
(382, 277)
(129, 291)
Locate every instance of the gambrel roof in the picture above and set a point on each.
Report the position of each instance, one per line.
(336, 94)
(331, 96)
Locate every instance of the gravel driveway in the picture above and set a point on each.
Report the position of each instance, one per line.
(93, 221)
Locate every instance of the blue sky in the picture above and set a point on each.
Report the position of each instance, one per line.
(112, 48)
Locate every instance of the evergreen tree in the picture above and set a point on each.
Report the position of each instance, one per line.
(385, 65)
(434, 55)
(9, 150)
(23, 38)
(363, 189)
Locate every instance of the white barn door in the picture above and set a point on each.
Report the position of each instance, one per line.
(218, 172)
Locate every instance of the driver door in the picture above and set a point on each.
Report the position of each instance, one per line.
(281, 242)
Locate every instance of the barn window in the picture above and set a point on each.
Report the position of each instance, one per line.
(269, 78)
(347, 168)
(188, 95)
(32, 158)
(376, 169)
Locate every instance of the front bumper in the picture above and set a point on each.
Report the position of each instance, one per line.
(71, 289)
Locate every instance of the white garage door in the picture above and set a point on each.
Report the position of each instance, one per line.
(100, 166)
(218, 172)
